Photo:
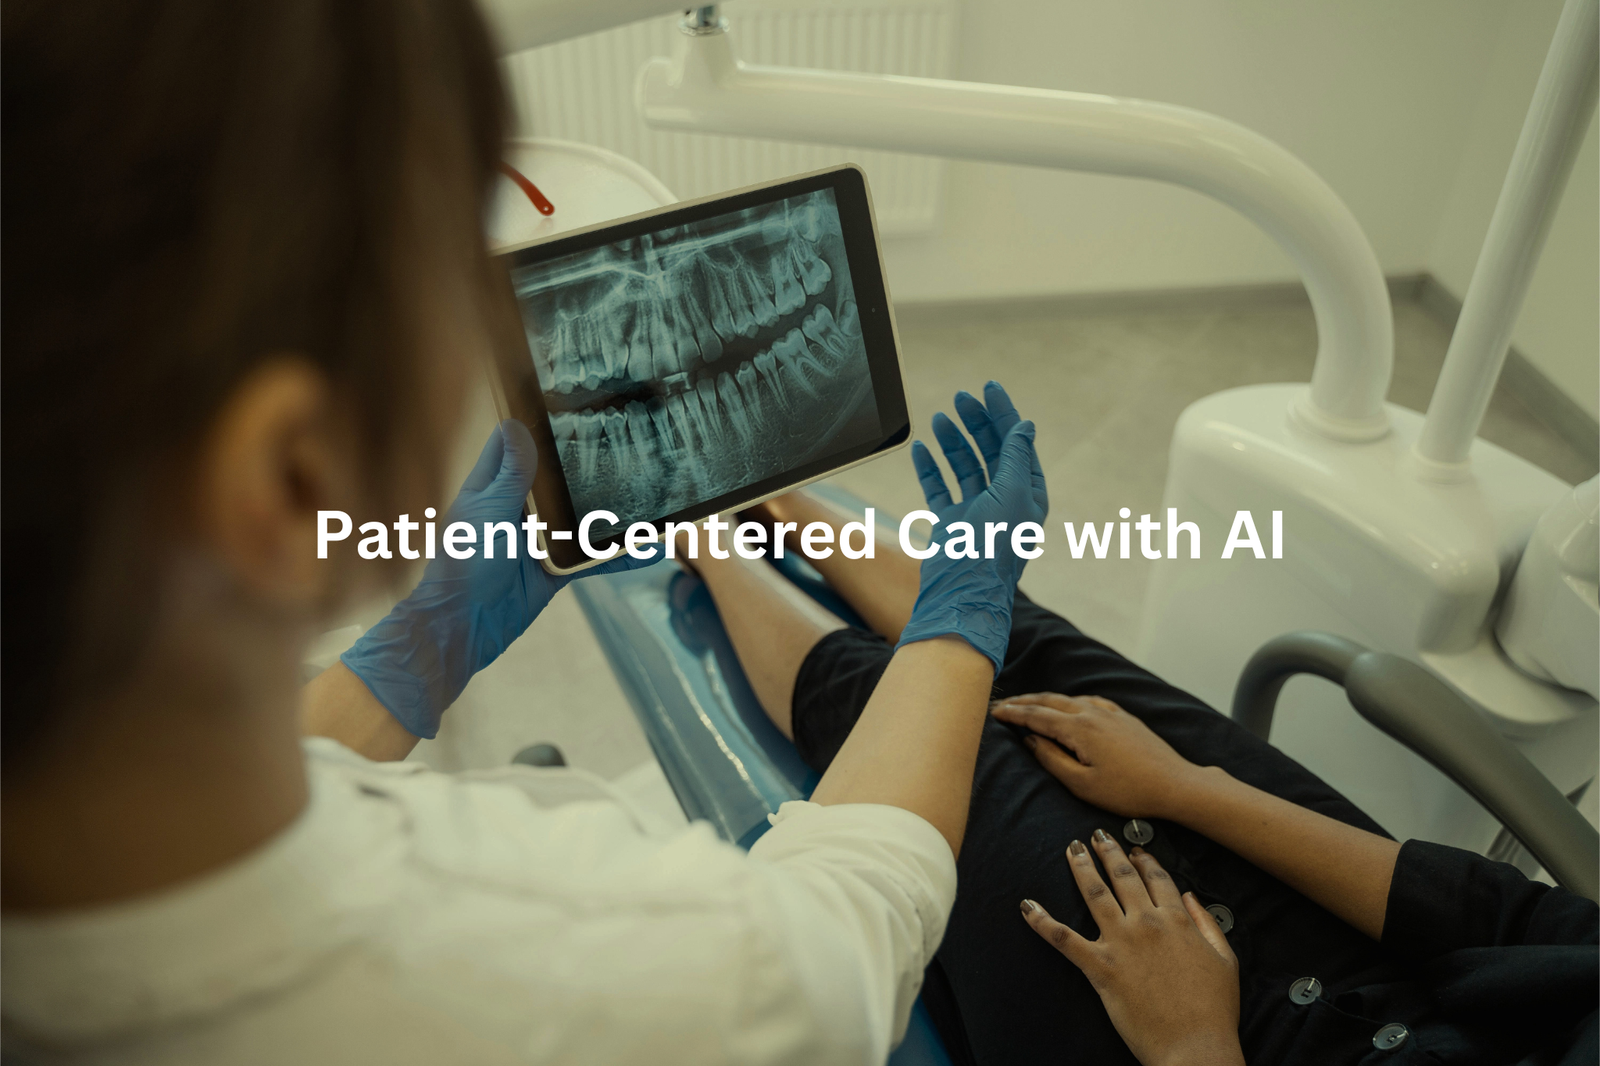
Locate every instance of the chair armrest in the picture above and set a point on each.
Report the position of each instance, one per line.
(1255, 697)
(1413, 706)
(1419, 710)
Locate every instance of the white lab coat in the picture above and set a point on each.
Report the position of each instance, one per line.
(410, 916)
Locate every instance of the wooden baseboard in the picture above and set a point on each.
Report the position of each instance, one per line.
(1130, 301)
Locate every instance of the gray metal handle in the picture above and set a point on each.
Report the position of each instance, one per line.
(1419, 710)
(1275, 662)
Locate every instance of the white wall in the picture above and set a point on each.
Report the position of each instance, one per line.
(1559, 329)
(1370, 94)
(1409, 108)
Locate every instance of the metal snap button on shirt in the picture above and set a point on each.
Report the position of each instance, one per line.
(1390, 1036)
(1139, 831)
(1306, 990)
(1223, 916)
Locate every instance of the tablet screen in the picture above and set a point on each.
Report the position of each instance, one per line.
(713, 358)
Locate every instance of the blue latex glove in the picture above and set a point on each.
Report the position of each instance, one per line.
(464, 612)
(972, 598)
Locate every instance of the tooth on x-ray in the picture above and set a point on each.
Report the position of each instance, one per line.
(688, 363)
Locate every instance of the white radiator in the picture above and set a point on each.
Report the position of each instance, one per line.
(582, 90)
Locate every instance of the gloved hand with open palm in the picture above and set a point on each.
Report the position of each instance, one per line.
(967, 597)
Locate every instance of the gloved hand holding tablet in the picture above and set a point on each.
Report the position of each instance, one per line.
(464, 612)
(701, 358)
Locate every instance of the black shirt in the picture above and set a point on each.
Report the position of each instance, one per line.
(1503, 967)
(1479, 966)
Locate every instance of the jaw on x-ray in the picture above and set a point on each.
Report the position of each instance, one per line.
(691, 362)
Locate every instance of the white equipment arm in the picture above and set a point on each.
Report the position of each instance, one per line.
(1557, 119)
(705, 89)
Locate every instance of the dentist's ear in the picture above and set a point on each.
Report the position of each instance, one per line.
(274, 455)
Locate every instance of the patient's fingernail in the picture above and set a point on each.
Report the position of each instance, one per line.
(1027, 906)
(1103, 838)
(1136, 852)
(1077, 850)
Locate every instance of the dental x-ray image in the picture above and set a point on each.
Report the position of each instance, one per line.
(690, 362)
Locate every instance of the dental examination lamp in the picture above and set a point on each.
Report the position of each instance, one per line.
(1402, 533)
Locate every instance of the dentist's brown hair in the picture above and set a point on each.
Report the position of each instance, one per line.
(189, 187)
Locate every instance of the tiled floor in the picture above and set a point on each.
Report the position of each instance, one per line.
(1105, 390)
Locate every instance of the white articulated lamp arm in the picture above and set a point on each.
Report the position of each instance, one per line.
(705, 89)
(1558, 118)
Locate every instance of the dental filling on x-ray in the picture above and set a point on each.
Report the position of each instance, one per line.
(693, 361)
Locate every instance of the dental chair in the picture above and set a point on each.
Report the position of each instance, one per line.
(729, 765)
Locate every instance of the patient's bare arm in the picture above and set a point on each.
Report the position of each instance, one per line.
(1108, 757)
(916, 742)
(882, 590)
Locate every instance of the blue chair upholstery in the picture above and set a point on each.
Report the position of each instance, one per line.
(725, 760)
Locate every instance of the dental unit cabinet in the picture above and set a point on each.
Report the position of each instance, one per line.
(1407, 543)
(1406, 533)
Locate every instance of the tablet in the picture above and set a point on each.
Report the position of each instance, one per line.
(701, 358)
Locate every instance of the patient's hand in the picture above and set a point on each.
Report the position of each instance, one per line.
(1162, 967)
(1103, 754)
